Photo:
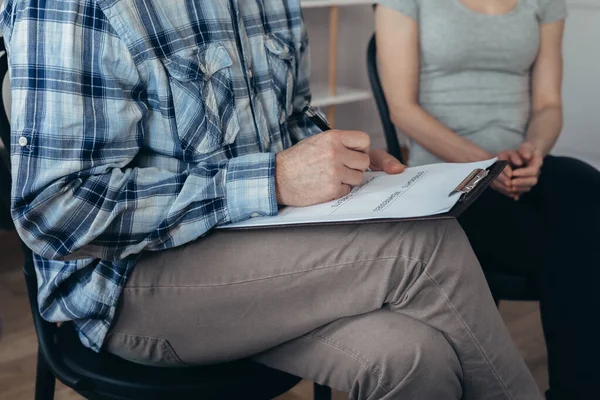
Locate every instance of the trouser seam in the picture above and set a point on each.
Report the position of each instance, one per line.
(502, 384)
(353, 355)
(395, 257)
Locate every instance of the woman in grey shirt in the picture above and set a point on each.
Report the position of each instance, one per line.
(469, 80)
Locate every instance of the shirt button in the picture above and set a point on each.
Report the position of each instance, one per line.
(23, 141)
(254, 215)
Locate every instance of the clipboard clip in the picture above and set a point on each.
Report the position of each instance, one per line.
(470, 182)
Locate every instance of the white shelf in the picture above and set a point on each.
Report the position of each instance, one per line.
(330, 3)
(343, 95)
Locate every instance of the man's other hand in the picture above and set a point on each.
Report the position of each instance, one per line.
(322, 168)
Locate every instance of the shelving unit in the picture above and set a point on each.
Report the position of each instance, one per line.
(329, 94)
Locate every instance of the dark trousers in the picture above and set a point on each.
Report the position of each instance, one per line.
(553, 233)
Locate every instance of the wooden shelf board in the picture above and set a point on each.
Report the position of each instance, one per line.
(331, 3)
(343, 95)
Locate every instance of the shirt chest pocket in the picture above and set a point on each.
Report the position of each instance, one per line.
(280, 57)
(203, 98)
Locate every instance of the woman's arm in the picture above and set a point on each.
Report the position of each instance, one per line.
(546, 81)
(398, 51)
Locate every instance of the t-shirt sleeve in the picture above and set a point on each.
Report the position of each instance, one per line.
(552, 11)
(407, 7)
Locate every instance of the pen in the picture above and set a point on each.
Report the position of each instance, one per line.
(316, 118)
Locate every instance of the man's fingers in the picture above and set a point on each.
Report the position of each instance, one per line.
(343, 190)
(355, 159)
(393, 167)
(351, 176)
(354, 140)
(381, 160)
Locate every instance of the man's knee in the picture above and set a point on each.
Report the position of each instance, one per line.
(442, 230)
(428, 368)
(452, 247)
(405, 358)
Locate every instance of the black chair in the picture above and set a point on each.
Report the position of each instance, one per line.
(503, 286)
(104, 376)
(4, 157)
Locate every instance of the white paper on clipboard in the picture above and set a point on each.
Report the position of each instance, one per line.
(417, 192)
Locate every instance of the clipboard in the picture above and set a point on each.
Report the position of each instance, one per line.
(471, 188)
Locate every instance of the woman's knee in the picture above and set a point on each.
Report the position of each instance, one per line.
(570, 184)
(574, 174)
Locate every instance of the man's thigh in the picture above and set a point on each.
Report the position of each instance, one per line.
(236, 293)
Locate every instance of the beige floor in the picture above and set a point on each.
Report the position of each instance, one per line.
(18, 344)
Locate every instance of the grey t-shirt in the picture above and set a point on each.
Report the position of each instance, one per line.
(475, 68)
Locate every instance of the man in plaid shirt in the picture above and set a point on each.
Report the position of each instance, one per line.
(140, 125)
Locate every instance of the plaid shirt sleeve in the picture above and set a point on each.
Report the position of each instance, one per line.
(78, 125)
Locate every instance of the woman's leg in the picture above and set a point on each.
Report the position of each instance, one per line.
(569, 198)
(507, 236)
(552, 233)
(238, 293)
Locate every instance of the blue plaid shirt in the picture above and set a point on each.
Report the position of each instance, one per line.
(139, 125)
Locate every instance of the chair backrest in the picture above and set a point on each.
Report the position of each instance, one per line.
(4, 122)
(4, 135)
(389, 129)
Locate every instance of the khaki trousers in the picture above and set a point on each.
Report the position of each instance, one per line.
(382, 311)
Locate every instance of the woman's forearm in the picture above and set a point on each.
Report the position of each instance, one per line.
(428, 132)
(544, 128)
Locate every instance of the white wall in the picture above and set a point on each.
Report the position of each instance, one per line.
(581, 87)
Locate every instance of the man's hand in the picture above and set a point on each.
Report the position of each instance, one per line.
(526, 177)
(381, 160)
(321, 168)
